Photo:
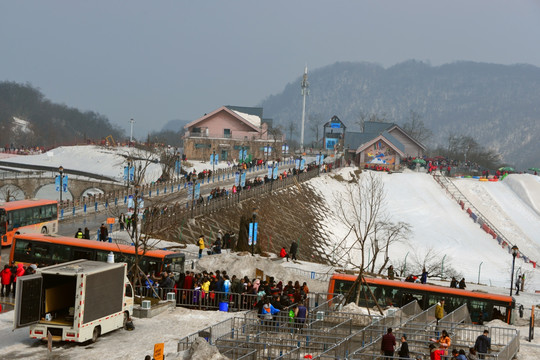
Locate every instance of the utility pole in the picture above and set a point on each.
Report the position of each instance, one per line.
(305, 93)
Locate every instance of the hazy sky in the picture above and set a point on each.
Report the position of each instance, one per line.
(160, 60)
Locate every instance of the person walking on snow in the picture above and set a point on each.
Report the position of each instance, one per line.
(294, 249)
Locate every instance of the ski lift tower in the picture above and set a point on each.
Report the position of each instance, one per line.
(305, 93)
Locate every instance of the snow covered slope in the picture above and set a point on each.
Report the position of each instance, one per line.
(440, 225)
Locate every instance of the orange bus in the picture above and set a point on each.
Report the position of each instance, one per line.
(27, 216)
(45, 250)
(482, 306)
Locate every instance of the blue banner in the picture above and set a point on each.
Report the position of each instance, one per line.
(297, 163)
(57, 182)
(125, 172)
(216, 159)
(177, 167)
(317, 159)
(243, 180)
(245, 155)
(65, 183)
(302, 164)
(130, 202)
(190, 191)
(197, 191)
(276, 169)
(250, 235)
(236, 179)
(269, 172)
(321, 160)
(255, 233)
(131, 173)
(211, 158)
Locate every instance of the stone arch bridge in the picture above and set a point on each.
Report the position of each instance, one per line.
(31, 185)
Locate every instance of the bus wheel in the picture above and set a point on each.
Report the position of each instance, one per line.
(44, 230)
(95, 334)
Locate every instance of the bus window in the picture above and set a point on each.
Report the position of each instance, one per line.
(23, 251)
(60, 254)
(176, 263)
(102, 255)
(41, 253)
(79, 253)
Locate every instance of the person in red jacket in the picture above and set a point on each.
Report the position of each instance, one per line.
(5, 277)
(283, 253)
(18, 272)
(388, 343)
(435, 353)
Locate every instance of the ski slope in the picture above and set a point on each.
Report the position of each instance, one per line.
(441, 228)
(511, 206)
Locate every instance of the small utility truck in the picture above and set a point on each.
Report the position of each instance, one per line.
(75, 301)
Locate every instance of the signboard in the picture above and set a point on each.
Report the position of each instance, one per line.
(252, 236)
(335, 125)
(236, 179)
(269, 172)
(111, 220)
(190, 191)
(243, 179)
(330, 144)
(302, 164)
(321, 160)
(158, 351)
(275, 175)
(197, 191)
(297, 164)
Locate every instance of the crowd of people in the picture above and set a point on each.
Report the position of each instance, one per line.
(438, 348)
(10, 274)
(208, 289)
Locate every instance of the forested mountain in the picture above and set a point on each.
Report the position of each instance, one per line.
(27, 118)
(498, 105)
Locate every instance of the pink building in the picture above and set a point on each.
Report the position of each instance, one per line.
(230, 129)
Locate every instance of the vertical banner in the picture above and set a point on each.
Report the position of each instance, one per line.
(243, 180)
(297, 164)
(275, 175)
(302, 164)
(255, 233)
(130, 202)
(131, 173)
(197, 191)
(65, 183)
(245, 155)
(250, 234)
(190, 191)
(57, 182)
(125, 172)
(177, 167)
(216, 159)
(318, 159)
(269, 172)
(236, 179)
(321, 159)
(211, 158)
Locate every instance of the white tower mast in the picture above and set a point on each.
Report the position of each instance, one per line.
(305, 92)
(131, 136)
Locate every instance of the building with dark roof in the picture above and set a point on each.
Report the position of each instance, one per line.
(381, 143)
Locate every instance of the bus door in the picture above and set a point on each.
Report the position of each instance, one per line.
(28, 298)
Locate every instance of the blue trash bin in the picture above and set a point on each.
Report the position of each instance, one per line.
(224, 306)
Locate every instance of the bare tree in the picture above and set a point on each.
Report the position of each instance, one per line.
(416, 128)
(315, 122)
(361, 209)
(291, 129)
(10, 193)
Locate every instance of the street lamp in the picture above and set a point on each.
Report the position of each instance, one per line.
(213, 163)
(515, 251)
(61, 171)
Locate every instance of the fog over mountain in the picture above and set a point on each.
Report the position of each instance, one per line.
(496, 104)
